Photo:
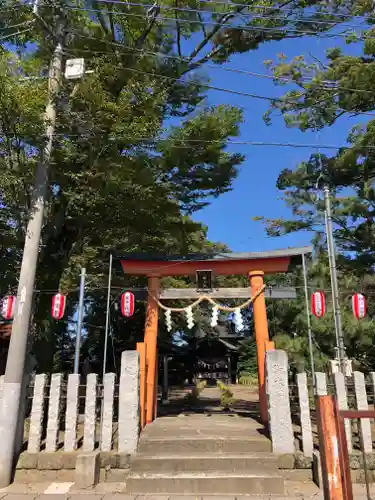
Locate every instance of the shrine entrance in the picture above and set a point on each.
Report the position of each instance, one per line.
(254, 265)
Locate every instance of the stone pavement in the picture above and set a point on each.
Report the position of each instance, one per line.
(116, 491)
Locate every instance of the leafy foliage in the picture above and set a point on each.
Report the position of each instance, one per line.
(327, 91)
(321, 92)
(121, 176)
(247, 360)
(226, 398)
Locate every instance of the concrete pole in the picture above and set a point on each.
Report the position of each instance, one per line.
(107, 321)
(14, 374)
(341, 355)
(107, 317)
(80, 320)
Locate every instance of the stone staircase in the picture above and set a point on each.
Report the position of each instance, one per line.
(204, 454)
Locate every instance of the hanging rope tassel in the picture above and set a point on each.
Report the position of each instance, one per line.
(189, 317)
(215, 316)
(238, 321)
(168, 320)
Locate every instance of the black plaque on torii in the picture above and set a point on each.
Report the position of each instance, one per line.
(204, 280)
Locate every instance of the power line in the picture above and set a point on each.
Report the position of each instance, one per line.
(200, 11)
(329, 83)
(145, 289)
(237, 70)
(152, 141)
(224, 142)
(220, 89)
(261, 7)
(214, 2)
(256, 28)
(321, 85)
(291, 9)
(243, 28)
(213, 87)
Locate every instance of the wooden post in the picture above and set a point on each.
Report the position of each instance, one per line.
(261, 336)
(333, 450)
(141, 348)
(151, 334)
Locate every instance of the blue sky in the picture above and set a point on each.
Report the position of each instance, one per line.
(254, 191)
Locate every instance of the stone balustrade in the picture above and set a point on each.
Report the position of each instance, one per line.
(105, 417)
(110, 421)
(287, 421)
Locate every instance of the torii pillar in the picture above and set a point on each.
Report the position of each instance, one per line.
(151, 339)
(261, 336)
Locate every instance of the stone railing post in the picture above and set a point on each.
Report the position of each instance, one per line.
(37, 414)
(54, 407)
(129, 423)
(362, 404)
(71, 414)
(305, 416)
(321, 384)
(279, 414)
(342, 400)
(107, 417)
(90, 413)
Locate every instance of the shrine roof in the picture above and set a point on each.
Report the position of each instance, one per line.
(273, 261)
(199, 257)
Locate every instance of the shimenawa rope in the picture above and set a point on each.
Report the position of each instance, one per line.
(212, 301)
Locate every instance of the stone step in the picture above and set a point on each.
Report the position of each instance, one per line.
(204, 462)
(186, 445)
(217, 420)
(251, 432)
(258, 482)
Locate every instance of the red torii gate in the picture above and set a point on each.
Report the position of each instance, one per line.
(254, 264)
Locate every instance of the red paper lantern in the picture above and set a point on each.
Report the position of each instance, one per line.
(127, 304)
(7, 307)
(359, 305)
(58, 305)
(318, 304)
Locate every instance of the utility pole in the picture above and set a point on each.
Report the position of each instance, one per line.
(11, 406)
(80, 319)
(341, 354)
(309, 332)
(107, 326)
(107, 317)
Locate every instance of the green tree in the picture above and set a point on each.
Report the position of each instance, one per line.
(247, 360)
(323, 92)
(121, 177)
(326, 91)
